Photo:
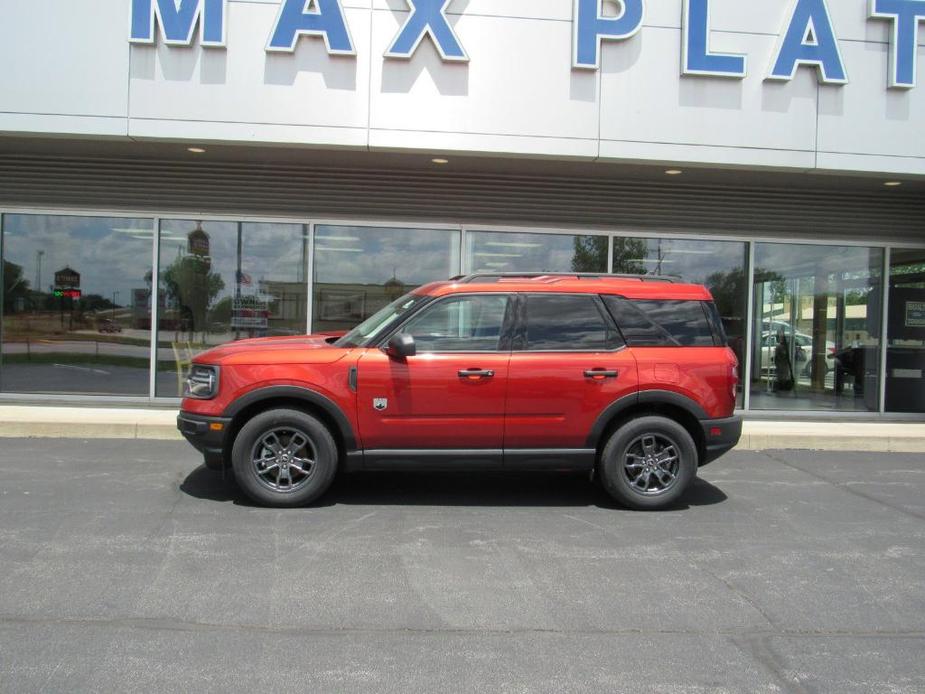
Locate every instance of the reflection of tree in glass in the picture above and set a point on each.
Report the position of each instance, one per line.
(590, 254)
(728, 290)
(628, 255)
(191, 286)
(779, 290)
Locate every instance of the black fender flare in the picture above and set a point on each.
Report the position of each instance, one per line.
(297, 393)
(645, 397)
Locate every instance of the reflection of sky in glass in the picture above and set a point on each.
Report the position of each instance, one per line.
(523, 252)
(271, 252)
(111, 255)
(692, 261)
(793, 261)
(368, 255)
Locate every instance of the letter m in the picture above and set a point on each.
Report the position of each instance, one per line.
(177, 20)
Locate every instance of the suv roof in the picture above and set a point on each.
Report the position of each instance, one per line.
(630, 286)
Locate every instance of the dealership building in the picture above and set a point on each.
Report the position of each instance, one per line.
(176, 174)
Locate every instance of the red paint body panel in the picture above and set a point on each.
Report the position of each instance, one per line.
(552, 404)
(699, 373)
(429, 404)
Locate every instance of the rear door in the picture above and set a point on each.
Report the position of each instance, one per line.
(568, 364)
(451, 394)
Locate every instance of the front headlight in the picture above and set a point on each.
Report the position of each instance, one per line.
(201, 383)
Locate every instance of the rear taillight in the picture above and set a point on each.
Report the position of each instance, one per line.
(733, 374)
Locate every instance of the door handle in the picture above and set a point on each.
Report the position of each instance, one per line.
(600, 374)
(475, 374)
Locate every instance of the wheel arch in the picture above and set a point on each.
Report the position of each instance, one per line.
(290, 397)
(675, 406)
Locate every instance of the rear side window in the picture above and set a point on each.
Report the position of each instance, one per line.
(669, 323)
(568, 323)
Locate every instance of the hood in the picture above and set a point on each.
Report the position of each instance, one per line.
(301, 349)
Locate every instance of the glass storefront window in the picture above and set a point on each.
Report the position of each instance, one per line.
(226, 281)
(359, 270)
(76, 305)
(720, 265)
(817, 327)
(489, 252)
(905, 356)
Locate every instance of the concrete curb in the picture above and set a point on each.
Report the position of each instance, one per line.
(21, 421)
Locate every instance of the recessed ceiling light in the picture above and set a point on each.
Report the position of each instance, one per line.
(893, 184)
(673, 172)
(440, 160)
(196, 150)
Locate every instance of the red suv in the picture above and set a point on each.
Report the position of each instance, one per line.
(626, 377)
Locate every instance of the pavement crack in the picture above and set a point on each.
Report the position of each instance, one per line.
(168, 624)
(846, 486)
(758, 648)
(735, 591)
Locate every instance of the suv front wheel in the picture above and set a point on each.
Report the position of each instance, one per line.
(284, 458)
(648, 463)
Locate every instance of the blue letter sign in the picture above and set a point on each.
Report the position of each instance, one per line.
(590, 28)
(327, 21)
(178, 21)
(810, 40)
(696, 58)
(906, 15)
(428, 18)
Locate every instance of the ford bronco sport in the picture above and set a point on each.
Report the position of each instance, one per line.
(626, 377)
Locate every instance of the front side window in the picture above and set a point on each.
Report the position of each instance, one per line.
(568, 323)
(460, 324)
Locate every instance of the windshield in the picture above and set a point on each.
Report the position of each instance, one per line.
(379, 321)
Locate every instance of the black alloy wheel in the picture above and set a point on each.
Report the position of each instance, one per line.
(648, 462)
(284, 458)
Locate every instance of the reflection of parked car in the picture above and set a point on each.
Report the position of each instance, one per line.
(803, 363)
(628, 378)
(108, 326)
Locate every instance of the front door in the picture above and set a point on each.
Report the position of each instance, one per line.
(451, 394)
(568, 365)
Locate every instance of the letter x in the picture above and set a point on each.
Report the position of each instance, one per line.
(428, 17)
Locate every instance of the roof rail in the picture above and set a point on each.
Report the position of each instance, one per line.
(498, 276)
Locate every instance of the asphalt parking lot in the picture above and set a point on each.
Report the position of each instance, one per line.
(127, 566)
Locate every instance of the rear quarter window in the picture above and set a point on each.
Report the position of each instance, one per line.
(663, 323)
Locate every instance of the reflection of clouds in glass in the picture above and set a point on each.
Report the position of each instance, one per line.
(801, 260)
(366, 255)
(692, 261)
(111, 254)
(269, 252)
(520, 252)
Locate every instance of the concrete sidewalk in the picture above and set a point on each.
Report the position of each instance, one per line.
(21, 421)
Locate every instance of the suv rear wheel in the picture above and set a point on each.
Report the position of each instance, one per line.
(648, 463)
(284, 458)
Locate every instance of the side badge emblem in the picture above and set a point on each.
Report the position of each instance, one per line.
(380, 403)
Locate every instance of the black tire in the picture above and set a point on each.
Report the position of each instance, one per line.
(626, 455)
(254, 450)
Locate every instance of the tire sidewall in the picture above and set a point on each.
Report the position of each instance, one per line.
(615, 451)
(321, 439)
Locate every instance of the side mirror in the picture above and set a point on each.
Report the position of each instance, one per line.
(401, 346)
